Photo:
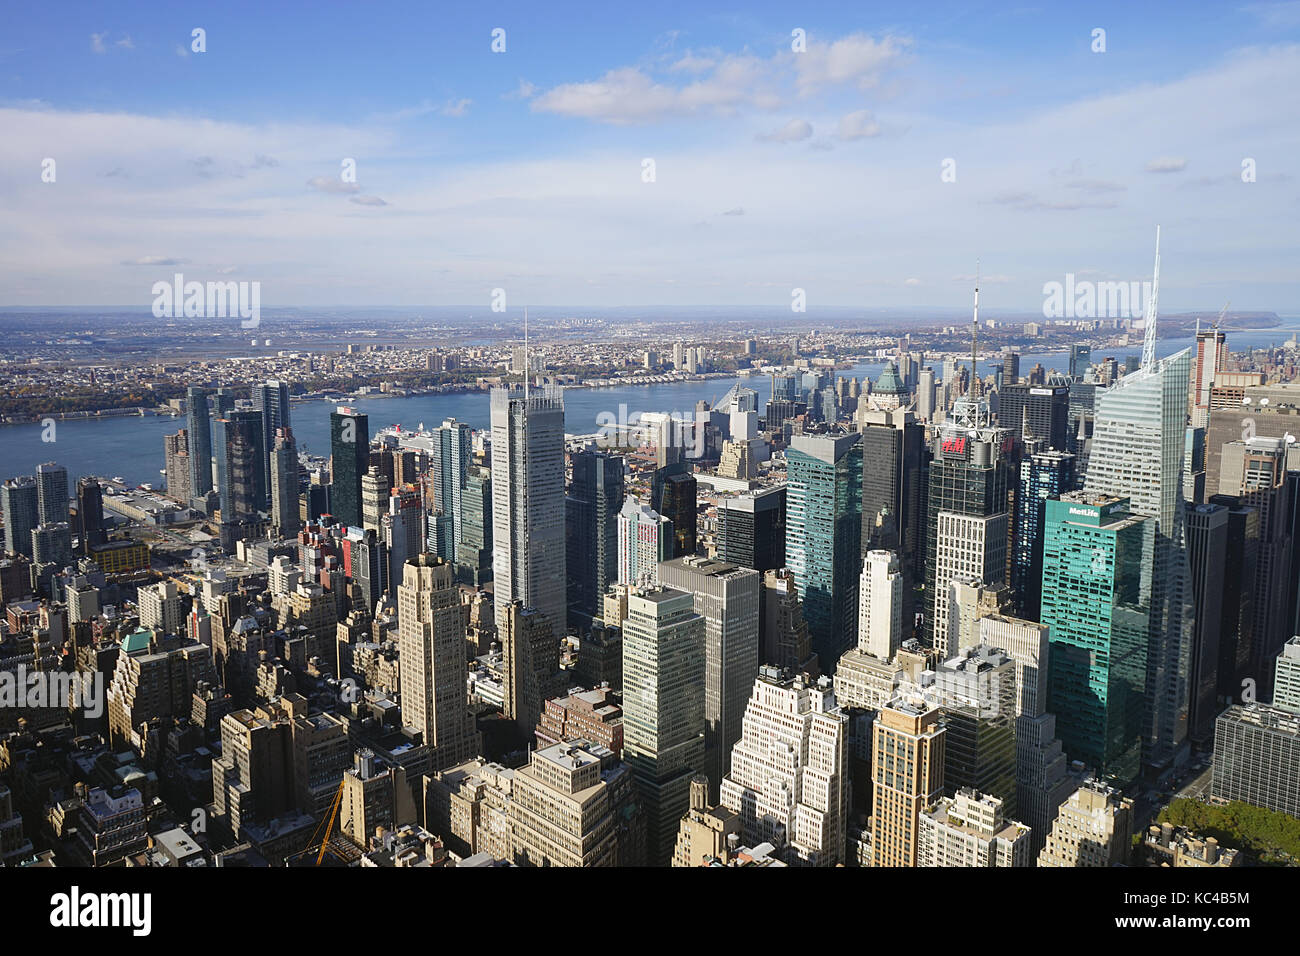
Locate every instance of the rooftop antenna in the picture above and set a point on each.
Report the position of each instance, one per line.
(1149, 343)
(974, 337)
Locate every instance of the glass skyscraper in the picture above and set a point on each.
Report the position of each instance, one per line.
(199, 431)
(452, 448)
(1043, 475)
(1137, 453)
(1097, 583)
(823, 545)
(349, 460)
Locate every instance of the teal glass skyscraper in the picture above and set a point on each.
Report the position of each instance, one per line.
(1097, 601)
(823, 543)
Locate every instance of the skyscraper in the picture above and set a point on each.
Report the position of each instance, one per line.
(452, 450)
(474, 553)
(663, 709)
(176, 466)
(673, 495)
(22, 513)
(1097, 601)
(431, 645)
(788, 779)
(1253, 474)
(200, 440)
(271, 399)
(90, 511)
(893, 445)
(1080, 361)
(751, 528)
(1092, 829)
(907, 755)
(236, 451)
(1137, 452)
(727, 597)
(530, 664)
(349, 460)
(52, 492)
(528, 499)
(284, 484)
(1043, 408)
(968, 510)
(644, 539)
(1207, 546)
(880, 605)
(1043, 475)
(591, 529)
(824, 536)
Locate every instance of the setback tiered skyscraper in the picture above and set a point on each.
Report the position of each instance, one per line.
(528, 500)
(893, 445)
(431, 648)
(788, 779)
(824, 536)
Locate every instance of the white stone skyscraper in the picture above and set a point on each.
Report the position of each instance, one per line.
(880, 605)
(788, 777)
(528, 500)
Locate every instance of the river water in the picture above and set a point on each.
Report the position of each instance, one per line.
(133, 447)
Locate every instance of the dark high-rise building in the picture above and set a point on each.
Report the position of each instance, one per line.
(1043, 475)
(751, 529)
(271, 399)
(893, 449)
(261, 460)
(1043, 408)
(1240, 561)
(779, 411)
(237, 449)
(284, 484)
(474, 553)
(1080, 360)
(1010, 368)
(52, 492)
(22, 513)
(349, 460)
(1253, 473)
(592, 505)
(199, 430)
(90, 511)
(968, 510)
(1207, 548)
(673, 495)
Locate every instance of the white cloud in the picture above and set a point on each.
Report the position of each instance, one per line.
(856, 59)
(97, 42)
(791, 132)
(332, 184)
(1167, 164)
(859, 125)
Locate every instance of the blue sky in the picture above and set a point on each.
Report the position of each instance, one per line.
(774, 169)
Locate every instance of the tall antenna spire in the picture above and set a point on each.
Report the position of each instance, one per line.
(1149, 342)
(974, 337)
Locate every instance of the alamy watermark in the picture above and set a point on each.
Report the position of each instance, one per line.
(1083, 299)
(30, 690)
(684, 430)
(211, 300)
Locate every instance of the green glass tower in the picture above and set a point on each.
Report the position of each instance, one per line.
(823, 537)
(1097, 602)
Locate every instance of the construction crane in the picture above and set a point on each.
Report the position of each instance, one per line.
(329, 827)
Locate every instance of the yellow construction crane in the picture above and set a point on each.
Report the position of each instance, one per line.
(329, 827)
